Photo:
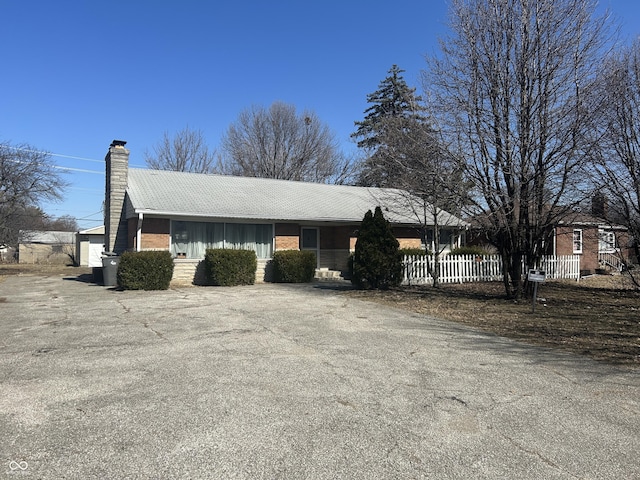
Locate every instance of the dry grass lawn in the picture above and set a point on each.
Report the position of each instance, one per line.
(598, 317)
(7, 269)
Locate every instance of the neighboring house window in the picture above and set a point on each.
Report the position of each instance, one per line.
(606, 241)
(56, 249)
(577, 241)
(192, 239)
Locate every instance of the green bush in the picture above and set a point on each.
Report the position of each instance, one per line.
(294, 266)
(377, 262)
(226, 267)
(469, 251)
(145, 270)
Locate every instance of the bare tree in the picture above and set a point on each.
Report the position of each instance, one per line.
(412, 158)
(278, 143)
(27, 177)
(187, 151)
(617, 169)
(64, 223)
(510, 88)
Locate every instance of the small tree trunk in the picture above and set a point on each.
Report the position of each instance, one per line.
(435, 273)
(506, 269)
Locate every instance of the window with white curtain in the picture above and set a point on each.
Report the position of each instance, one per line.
(192, 239)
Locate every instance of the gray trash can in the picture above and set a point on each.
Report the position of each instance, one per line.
(110, 270)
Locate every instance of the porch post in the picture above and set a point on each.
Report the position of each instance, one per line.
(139, 232)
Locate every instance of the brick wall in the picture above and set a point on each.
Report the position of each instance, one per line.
(287, 242)
(589, 255)
(156, 233)
(287, 236)
(410, 242)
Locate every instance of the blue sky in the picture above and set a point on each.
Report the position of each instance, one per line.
(78, 74)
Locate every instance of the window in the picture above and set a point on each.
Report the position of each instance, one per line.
(606, 241)
(245, 236)
(192, 239)
(577, 241)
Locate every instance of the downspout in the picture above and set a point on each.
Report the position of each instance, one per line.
(139, 232)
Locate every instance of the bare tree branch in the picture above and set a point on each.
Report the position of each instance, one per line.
(187, 151)
(278, 143)
(27, 177)
(510, 87)
(617, 167)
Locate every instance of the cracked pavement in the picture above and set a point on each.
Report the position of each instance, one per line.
(290, 381)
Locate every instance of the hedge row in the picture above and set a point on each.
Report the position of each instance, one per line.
(145, 270)
(294, 266)
(226, 267)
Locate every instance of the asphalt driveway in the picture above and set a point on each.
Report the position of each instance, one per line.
(276, 381)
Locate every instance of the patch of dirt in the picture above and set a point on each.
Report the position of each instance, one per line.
(598, 317)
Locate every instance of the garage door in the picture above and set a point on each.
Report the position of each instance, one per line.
(95, 252)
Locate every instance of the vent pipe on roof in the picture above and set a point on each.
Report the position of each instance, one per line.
(115, 222)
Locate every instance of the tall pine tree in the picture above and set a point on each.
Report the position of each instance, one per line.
(394, 106)
(404, 151)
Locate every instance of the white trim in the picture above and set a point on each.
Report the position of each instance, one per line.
(573, 241)
(139, 232)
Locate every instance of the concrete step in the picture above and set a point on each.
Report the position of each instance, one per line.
(326, 274)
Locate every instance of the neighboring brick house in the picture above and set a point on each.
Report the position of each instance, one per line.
(187, 213)
(599, 243)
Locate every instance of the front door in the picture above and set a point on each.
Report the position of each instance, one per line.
(310, 241)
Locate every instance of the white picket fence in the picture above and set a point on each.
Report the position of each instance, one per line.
(481, 268)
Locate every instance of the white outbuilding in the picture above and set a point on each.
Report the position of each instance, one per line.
(89, 247)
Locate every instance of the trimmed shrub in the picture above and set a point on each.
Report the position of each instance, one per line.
(377, 262)
(145, 270)
(225, 267)
(468, 251)
(294, 266)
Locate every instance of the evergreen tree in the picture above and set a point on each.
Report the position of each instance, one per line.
(394, 107)
(377, 262)
(394, 98)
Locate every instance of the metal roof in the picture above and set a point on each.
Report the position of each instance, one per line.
(93, 231)
(50, 237)
(172, 193)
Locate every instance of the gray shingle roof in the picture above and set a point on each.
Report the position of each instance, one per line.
(50, 237)
(220, 196)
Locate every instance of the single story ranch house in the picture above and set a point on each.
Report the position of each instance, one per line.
(186, 213)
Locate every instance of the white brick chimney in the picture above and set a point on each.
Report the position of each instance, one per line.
(115, 223)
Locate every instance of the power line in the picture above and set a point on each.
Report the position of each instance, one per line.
(68, 156)
(54, 154)
(81, 170)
